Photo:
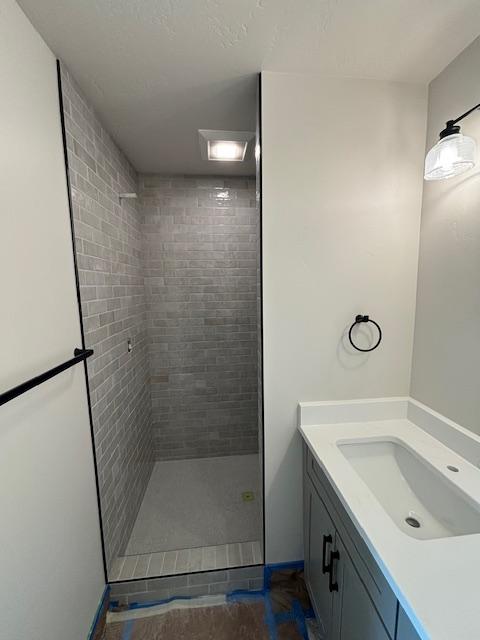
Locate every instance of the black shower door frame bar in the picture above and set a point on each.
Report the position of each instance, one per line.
(80, 315)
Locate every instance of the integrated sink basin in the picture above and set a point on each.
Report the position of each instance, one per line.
(421, 501)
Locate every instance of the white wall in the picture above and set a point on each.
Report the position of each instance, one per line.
(447, 330)
(50, 554)
(342, 185)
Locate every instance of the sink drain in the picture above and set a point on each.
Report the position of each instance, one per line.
(412, 522)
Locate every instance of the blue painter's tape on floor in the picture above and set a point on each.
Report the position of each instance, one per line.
(300, 619)
(284, 616)
(270, 618)
(127, 629)
(245, 596)
(98, 613)
(154, 603)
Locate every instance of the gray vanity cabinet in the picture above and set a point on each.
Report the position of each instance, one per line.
(405, 629)
(342, 605)
(351, 597)
(355, 617)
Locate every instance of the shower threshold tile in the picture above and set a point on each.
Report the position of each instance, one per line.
(170, 562)
(221, 556)
(167, 563)
(155, 567)
(257, 552)
(128, 568)
(233, 555)
(246, 553)
(116, 568)
(209, 558)
(196, 560)
(183, 560)
(143, 565)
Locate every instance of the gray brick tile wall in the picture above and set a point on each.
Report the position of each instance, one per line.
(109, 251)
(201, 249)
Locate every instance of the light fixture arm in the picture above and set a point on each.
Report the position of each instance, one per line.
(451, 126)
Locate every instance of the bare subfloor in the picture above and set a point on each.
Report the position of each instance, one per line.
(233, 621)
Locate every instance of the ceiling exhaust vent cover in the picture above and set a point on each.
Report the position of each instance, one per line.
(225, 146)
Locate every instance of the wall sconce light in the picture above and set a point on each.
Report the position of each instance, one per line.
(453, 154)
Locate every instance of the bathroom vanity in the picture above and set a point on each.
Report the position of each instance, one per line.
(391, 521)
(350, 595)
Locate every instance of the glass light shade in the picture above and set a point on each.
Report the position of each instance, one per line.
(450, 157)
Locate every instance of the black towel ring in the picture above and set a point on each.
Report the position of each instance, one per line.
(358, 320)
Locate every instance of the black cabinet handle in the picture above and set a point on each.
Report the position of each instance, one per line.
(332, 586)
(326, 540)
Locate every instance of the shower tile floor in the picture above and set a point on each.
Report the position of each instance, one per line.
(194, 517)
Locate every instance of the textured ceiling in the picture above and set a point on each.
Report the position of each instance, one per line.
(158, 70)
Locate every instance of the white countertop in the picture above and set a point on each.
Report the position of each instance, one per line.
(437, 581)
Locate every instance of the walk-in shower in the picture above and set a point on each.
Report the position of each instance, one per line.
(171, 295)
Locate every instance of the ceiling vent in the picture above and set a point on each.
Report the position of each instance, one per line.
(225, 146)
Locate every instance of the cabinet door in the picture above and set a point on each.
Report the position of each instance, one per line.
(405, 630)
(354, 616)
(319, 541)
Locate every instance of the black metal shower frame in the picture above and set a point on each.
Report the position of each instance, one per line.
(80, 315)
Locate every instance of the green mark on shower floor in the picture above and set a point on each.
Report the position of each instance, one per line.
(248, 496)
